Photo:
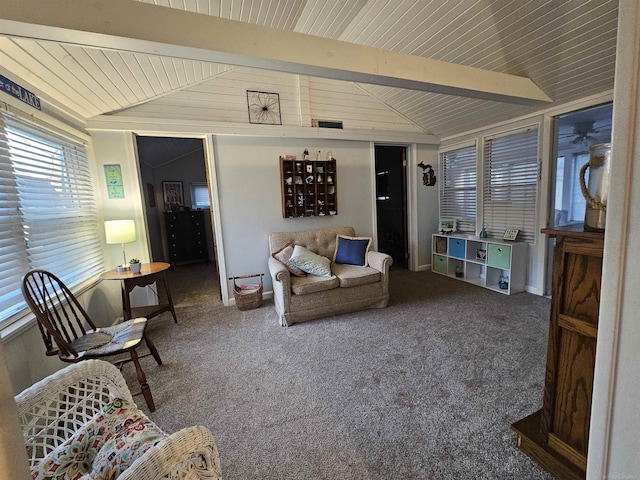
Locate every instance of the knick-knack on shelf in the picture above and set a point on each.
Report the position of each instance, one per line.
(305, 154)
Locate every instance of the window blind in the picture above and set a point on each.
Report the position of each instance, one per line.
(510, 172)
(49, 217)
(458, 187)
(200, 195)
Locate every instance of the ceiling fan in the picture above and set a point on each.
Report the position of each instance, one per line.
(583, 132)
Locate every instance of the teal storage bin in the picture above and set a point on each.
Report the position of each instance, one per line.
(499, 256)
(439, 264)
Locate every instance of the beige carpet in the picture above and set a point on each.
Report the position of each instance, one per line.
(424, 389)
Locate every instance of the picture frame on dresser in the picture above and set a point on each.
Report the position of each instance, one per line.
(172, 193)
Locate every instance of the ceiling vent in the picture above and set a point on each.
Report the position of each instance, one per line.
(326, 123)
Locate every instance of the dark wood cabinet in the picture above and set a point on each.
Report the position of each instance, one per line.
(186, 236)
(557, 436)
(309, 188)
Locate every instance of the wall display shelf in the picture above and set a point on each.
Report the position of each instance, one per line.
(557, 436)
(491, 263)
(309, 188)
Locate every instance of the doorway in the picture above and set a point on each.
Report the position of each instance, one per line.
(391, 202)
(574, 134)
(174, 184)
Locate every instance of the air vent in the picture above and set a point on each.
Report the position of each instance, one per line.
(326, 123)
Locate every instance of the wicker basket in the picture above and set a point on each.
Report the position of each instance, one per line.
(248, 296)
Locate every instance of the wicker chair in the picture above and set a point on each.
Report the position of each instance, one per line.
(68, 331)
(53, 409)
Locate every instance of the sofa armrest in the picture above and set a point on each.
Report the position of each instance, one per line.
(281, 281)
(51, 410)
(279, 271)
(188, 451)
(380, 261)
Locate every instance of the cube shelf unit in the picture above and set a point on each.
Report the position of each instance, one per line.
(309, 188)
(481, 261)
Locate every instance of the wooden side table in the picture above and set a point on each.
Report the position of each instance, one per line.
(149, 273)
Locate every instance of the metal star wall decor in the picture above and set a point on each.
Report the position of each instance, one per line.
(264, 107)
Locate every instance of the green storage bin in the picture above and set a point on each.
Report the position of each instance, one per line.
(439, 264)
(499, 256)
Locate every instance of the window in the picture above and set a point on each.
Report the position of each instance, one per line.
(510, 173)
(48, 214)
(458, 187)
(199, 195)
(578, 202)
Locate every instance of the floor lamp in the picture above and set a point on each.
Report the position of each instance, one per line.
(120, 231)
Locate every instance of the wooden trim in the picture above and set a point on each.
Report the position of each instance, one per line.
(531, 442)
(568, 452)
(578, 326)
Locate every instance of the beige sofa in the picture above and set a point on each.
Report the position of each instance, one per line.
(350, 288)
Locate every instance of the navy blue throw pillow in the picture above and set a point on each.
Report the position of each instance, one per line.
(352, 250)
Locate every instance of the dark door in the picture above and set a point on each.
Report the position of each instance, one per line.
(391, 201)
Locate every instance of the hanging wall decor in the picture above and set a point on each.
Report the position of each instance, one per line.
(264, 107)
(428, 175)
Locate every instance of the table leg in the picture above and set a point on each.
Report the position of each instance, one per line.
(169, 299)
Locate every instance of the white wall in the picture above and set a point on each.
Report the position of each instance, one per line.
(428, 201)
(614, 451)
(250, 196)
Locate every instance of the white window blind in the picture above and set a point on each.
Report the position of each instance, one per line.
(511, 183)
(48, 213)
(200, 195)
(458, 187)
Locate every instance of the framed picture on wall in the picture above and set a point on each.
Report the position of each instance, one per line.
(173, 194)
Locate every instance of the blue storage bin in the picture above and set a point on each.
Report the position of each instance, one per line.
(457, 247)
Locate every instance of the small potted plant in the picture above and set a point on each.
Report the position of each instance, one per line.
(134, 263)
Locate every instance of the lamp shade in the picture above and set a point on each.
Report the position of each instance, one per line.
(120, 231)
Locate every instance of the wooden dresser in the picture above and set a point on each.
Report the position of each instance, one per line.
(557, 436)
(186, 236)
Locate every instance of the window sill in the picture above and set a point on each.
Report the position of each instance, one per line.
(19, 323)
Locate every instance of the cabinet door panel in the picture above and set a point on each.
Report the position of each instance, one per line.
(581, 289)
(574, 386)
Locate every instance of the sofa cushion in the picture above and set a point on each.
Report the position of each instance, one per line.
(310, 262)
(82, 455)
(284, 255)
(312, 284)
(321, 241)
(351, 250)
(353, 276)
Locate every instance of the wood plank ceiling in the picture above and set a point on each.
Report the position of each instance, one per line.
(567, 47)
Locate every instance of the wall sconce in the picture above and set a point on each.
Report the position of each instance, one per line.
(120, 231)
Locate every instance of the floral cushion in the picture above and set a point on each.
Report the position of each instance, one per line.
(137, 435)
(103, 448)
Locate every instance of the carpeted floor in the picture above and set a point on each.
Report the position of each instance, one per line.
(424, 389)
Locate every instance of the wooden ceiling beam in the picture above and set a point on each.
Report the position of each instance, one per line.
(127, 25)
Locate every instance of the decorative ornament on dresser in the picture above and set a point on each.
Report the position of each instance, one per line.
(264, 107)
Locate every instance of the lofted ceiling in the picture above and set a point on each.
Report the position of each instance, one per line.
(566, 47)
